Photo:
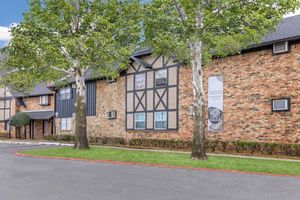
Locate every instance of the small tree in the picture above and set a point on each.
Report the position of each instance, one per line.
(62, 39)
(19, 120)
(194, 31)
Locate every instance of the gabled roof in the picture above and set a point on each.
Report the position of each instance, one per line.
(288, 29)
(38, 90)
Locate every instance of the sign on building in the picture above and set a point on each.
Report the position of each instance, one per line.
(215, 103)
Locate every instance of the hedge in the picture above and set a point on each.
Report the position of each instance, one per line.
(211, 145)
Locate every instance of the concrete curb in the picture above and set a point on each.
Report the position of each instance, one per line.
(155, 165)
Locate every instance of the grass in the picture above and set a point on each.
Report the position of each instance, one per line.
(173, 159)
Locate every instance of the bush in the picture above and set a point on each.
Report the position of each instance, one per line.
(296, 148)
(4, 135)
(238, 146)
(270, 148)
(287, 149)
(166, 144)
(224, 145)
(212, 144)
(246, 146)
(19, 120)
(108, 140)
(65, 138)
(253, 146)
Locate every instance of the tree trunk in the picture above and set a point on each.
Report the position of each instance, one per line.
(198, 145)
(81, 140)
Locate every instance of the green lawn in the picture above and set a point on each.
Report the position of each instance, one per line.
(174, 159)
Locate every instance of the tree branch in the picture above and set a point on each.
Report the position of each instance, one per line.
(180, 10)
(69, 72)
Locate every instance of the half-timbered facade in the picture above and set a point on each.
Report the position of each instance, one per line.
(152, 94)
(142, 102)
(6, 109)
(253, 96)
(38, 105)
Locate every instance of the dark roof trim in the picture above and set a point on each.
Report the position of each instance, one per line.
(273, 42)
(144, 52)
(142, 62)
(40, 115)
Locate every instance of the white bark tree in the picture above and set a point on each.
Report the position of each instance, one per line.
(60, 40)
(195, 31)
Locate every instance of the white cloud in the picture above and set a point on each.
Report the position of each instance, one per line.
(293, 14)
(5, 33)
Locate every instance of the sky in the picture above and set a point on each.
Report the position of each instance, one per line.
(11, 12)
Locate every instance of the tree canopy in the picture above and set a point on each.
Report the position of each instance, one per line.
(227, 26)
(19, 120)
(59, 37)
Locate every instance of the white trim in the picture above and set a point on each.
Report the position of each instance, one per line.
(286, 43)
(139, 121)
(166, 119)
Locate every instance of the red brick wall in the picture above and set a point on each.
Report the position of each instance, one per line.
(33, 103)
(251, 81)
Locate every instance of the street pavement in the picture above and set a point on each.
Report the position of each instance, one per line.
(24, 178)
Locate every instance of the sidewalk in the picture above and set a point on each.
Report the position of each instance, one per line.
(43, 142)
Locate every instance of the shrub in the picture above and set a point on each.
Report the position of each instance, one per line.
(224, 145)
(237, 145)
(287, 149)
(253, 146)
(296, 148)
(247, 146)
(212, 144)
(19, 120)
(157, 143)
(4, 135)
(65, 138)
(270, 148)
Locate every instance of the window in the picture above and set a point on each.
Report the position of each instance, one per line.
(139, 121)
(281, 105)
(280, 47)
(160, 120)
(161, 78)
(66, 124)
(140, 81)
(4, 110)
(44, 100)
(112, 114)
(65, 93)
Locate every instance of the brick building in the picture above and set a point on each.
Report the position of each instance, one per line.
(38, 104)
(254, 96)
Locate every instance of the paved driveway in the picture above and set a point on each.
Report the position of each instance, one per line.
(24, 178)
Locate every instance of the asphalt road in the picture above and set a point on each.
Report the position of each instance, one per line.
(23, 178)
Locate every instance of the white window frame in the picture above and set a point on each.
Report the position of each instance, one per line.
(136, 83)
(287, 103)
(163, 73)
(286, 43)
(135, 121)
(44, 100)
(66, 124)
(165, 119)
(65, 93)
